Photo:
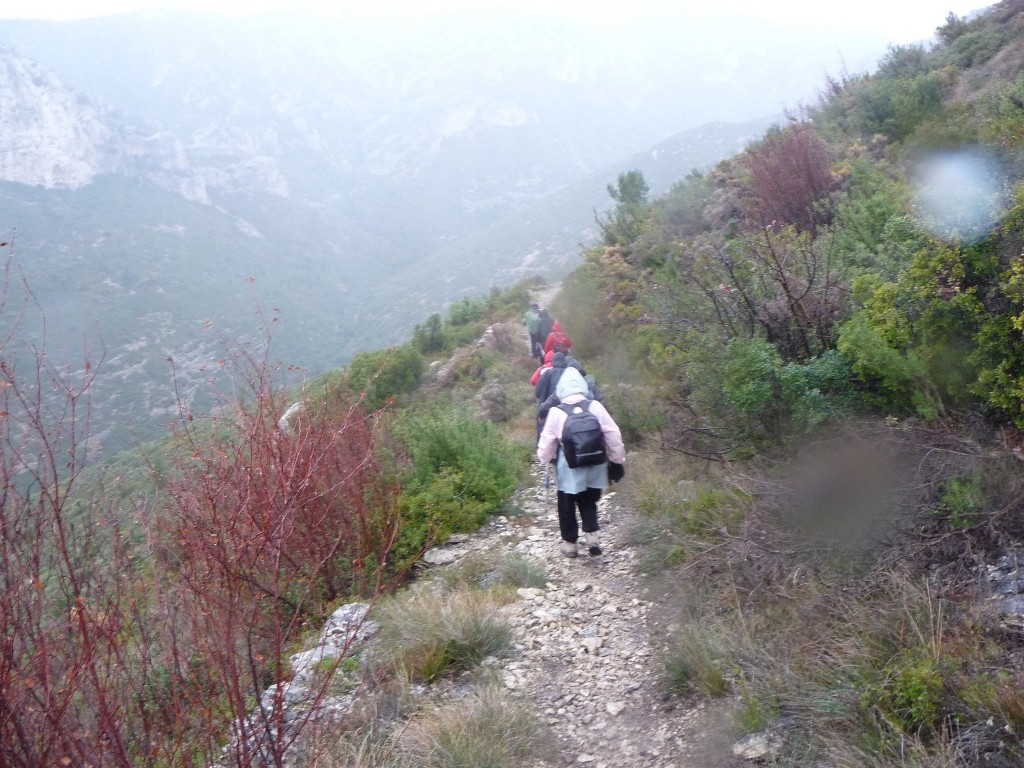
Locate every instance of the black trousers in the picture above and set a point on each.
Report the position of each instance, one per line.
(537, 346)
(586, 502)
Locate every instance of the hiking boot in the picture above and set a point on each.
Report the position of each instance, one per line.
(568, 548)
(593, 543)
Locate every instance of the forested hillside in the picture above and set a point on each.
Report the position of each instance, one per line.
(814, 352)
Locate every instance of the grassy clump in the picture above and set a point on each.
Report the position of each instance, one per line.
(492, 569)
(515, 570)
(487, 729)
(699, 660)
(428, 632)
(681, 517)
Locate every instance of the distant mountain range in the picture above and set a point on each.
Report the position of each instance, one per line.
(169, 174)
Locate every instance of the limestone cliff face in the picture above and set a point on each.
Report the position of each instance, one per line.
(50, 137)
(53, 137)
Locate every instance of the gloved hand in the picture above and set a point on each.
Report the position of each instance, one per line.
(615, 472)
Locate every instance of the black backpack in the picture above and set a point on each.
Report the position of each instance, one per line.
(582, 437)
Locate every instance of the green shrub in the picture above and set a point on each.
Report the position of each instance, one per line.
(872, 200)
(903, 61)
(462, 335)
(818, 390)
(751, 383)
(1004, 110)
(961, 501)
(637, 411)
(466, 310)
(512, 302)
(682, 209)
(383, 375)
(625, 222)
(892, 381)
(434, 510)
(466, 318)
(462, 470)
(972, 48)
(469, 367)
(908, 696)
(452, 438)
(758, 394)
(429, 337)
(895, 106)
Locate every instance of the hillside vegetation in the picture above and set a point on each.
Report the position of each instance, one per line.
(814, 352)
(821, 340)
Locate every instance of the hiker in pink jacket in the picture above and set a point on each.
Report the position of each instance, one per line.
(580, 487)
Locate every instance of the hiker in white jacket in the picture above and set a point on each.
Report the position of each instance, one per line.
(578, 488)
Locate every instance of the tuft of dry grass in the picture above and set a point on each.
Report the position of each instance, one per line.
(428, 632)
(487, 729)
(368, 736)
(492, 569)
(700, 660)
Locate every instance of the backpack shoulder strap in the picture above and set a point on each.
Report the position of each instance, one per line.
(566, 408)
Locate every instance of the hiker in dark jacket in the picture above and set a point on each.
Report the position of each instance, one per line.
(547, 382)
(543, 329)
(532, 322)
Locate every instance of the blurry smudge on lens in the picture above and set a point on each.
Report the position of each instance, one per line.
(960, 195)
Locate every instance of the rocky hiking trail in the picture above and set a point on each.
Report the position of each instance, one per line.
(585, 650)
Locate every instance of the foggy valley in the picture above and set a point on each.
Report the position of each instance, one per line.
(170, 176)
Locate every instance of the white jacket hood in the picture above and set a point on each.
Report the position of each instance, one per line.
(571, 382)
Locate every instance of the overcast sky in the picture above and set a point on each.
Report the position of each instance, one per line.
(900, 21)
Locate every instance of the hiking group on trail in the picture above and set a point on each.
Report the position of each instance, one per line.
(576, 432)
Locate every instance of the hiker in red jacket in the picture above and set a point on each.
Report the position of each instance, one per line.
(548, 357)
(558, 340)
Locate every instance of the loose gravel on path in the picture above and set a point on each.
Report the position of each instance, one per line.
(584, 650)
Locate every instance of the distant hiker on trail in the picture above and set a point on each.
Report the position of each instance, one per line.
(548, 356)
(579, 487)
(558, 340)
(532, 322)
(543, 329)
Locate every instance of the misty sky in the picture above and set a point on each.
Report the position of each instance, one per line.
(900, 21)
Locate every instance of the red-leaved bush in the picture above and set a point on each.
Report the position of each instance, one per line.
(145, 640)
(790, 174)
